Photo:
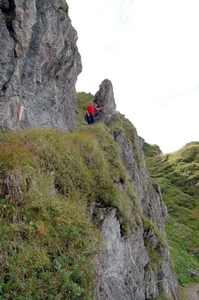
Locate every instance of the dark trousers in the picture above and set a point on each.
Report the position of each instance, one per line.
(90, 119)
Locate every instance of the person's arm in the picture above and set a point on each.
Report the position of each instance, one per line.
(99, 108)
(87, 112)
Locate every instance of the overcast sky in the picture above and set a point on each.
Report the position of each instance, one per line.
(149, 50)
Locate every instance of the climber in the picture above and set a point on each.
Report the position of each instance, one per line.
(90, 111)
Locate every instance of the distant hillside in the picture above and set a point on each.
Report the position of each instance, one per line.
(178, 176)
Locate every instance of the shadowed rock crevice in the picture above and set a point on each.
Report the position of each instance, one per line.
(8, 39)
(8, 9)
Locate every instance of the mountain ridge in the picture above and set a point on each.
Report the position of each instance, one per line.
(81, 217)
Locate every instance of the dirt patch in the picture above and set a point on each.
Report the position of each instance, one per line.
(191, 292)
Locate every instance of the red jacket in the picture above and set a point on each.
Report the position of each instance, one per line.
(91, 109)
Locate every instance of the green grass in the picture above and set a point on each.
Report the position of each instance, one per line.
(178, 176)
(151, 150)
(182, 245)
(46, 249)
(49, 183)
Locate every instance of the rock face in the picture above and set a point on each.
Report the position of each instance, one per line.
(124, 269)
(125, 266)
(39, 65)
(105, 97)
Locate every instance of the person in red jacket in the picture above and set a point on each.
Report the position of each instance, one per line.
(90, 111)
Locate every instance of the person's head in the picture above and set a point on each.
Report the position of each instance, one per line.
(93, 104)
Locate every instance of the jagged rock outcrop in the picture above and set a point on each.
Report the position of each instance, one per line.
(39, 65)
(124, 265)
(105, 97)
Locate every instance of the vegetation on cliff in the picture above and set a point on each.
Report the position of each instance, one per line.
(178, 176)
(49, 182)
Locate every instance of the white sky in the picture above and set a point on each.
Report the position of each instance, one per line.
(149, 50)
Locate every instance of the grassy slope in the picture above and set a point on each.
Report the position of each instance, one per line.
(47, 241)
(178, 176)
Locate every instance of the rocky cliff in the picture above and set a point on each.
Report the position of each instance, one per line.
(39, 67)
(39, 64)
(134, 265)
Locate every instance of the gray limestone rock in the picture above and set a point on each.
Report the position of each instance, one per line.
(123, 265)
(105, 97)
(39, 65)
